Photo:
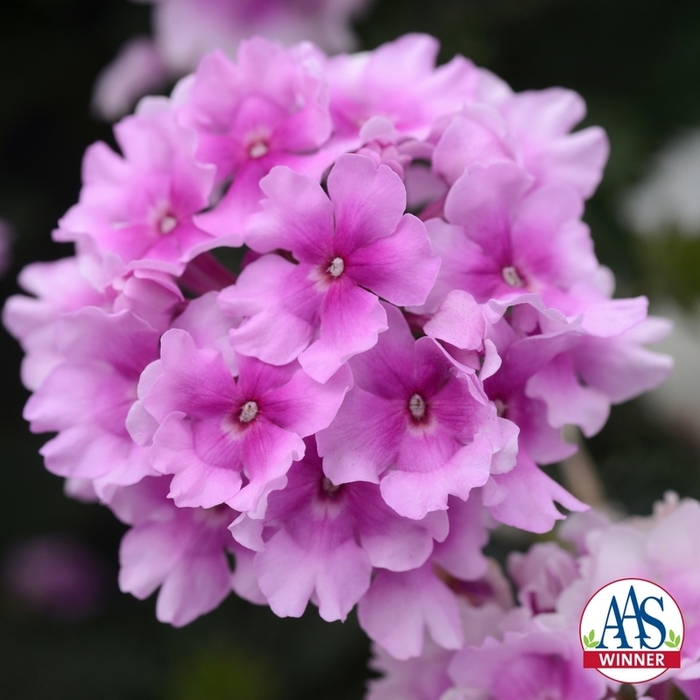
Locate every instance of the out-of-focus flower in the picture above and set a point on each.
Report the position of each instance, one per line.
(667, 198)
(677, 402)
(56, 575)
(185, 30)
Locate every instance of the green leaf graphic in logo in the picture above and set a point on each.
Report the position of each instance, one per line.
(589, 640)
(674, 640)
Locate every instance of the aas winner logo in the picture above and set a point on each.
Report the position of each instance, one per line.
(631, 631)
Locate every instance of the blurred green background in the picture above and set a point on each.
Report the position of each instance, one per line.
(637, 64)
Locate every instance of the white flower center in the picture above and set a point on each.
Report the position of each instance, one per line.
(258, 149)
(335, 269)
(416, 405)
(167, 224)
(511, 277)
(248, 411)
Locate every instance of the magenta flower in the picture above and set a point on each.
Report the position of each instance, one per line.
(320, 541)
(528, 665)
(230, 440)
(182, 551)
(414, 425)
(400, 607)
(541, 574)
(87, 398)
(398, 81)
(503, 238)
(353, 245)
(136, 211)
(271, 108)
(58, 288)
(530, 129)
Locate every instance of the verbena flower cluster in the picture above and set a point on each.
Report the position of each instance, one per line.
(530, 648)
(415, 313)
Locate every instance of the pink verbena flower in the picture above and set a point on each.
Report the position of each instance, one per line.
(87, 398)
(541, 661)
(57, 288)
(136, 211)
(270, 108)
(399, 82)
(230, 440)
(182, 551)
(501, 238)
(353, 245)
(531, 129)
(320, 541)
(414, 425)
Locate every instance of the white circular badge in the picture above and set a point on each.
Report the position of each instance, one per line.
(631, 631)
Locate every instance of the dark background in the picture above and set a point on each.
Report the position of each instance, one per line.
(637, 64)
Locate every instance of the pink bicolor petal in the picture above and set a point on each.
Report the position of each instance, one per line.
(368, 200)
(141, 573)
(459, 321)
(305, 406)
(422, 678)
(279, 306)
(192, 588)
(182, 550)
(400, 268)
(567, 400)
(399, 606)
(352, 320)
(548, 112)
(205, 322)
(484, 200)
(620, 367)
(337, 574)
(415, 493)
(525, 497)
(267, 457)
(541, 120)
(527, 664)
(191, 379)
(461, 554)
(297, 217)
(398, 81)
(359, 444)
(477, 135)
(399, 544)
(243, 579)
(196, 483)
(59, 288)
(140, 424)
(542, 574)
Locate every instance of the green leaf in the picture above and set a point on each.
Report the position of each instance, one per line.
(591, 634)
(672, 635)
(670, 644)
